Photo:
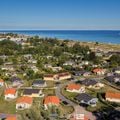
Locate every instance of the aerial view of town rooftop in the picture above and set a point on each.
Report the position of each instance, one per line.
(72, 73)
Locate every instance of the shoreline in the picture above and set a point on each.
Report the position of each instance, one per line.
(73, 35)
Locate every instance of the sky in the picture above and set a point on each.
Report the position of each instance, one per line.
(60, 14)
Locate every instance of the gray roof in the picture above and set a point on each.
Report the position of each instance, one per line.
(30, 91)
(15, 79)
(84, 97)
(88, 82)
(38, 82)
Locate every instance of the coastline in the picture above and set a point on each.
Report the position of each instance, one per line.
(100, 36)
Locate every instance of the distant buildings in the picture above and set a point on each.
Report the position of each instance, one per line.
(99, 71)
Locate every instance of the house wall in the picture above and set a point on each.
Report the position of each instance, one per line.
(113, 100)
(64, 77)
(23, 105)
(81, 90)
(10, 96)
(49, 78)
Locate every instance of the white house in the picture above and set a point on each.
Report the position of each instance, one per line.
(75, 88)
(24, 102)
(10, 93)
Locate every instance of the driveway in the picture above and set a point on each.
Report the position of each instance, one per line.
(77, 108)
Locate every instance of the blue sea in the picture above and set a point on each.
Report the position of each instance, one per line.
(102, 36)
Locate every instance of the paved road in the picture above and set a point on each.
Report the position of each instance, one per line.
(77, 108)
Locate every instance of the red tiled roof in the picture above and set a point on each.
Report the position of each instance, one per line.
(49, 75)
(25, 99)
(73, 86)
(63, 74)
(52, 99)
(97, 70)
(11, 118)
(10, 91)
(115, 95)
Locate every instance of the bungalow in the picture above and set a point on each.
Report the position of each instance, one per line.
(49, 77)
(64, 76)
(75, 88)
(99, 71)
(57, 77)
(1, 83)
(51, 101)
(113, 78)
(81, 73)
(24, 102)
(33, 93)
(90, 83)
(86, 99)
(39, 83)
(16, 81)
(10, 93)
(113, 96)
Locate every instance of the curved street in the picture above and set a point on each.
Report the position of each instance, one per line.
(77, 108)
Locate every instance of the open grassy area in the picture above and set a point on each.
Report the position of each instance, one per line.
(49, 91)
(7, 106)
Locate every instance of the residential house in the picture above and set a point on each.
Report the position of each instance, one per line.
(16, 82)
(24, 102)
(51, 77)
(57, 77)
(1, 83)
(99, 71)
(39, 83)
(10, 93)
(64, 76)
(33, 93)
(113, 78)
(51, 101)
(113, 96)
(90, 83)
(86, 99)
(81, 73)
(73, 87)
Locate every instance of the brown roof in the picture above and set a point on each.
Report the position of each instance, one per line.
(52, 99)
(73, 86)
(115, 95)
(25, 99)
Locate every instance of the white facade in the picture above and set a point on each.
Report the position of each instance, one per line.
(81, 90)
(22, 106)
(10, 96)
(113, 100)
